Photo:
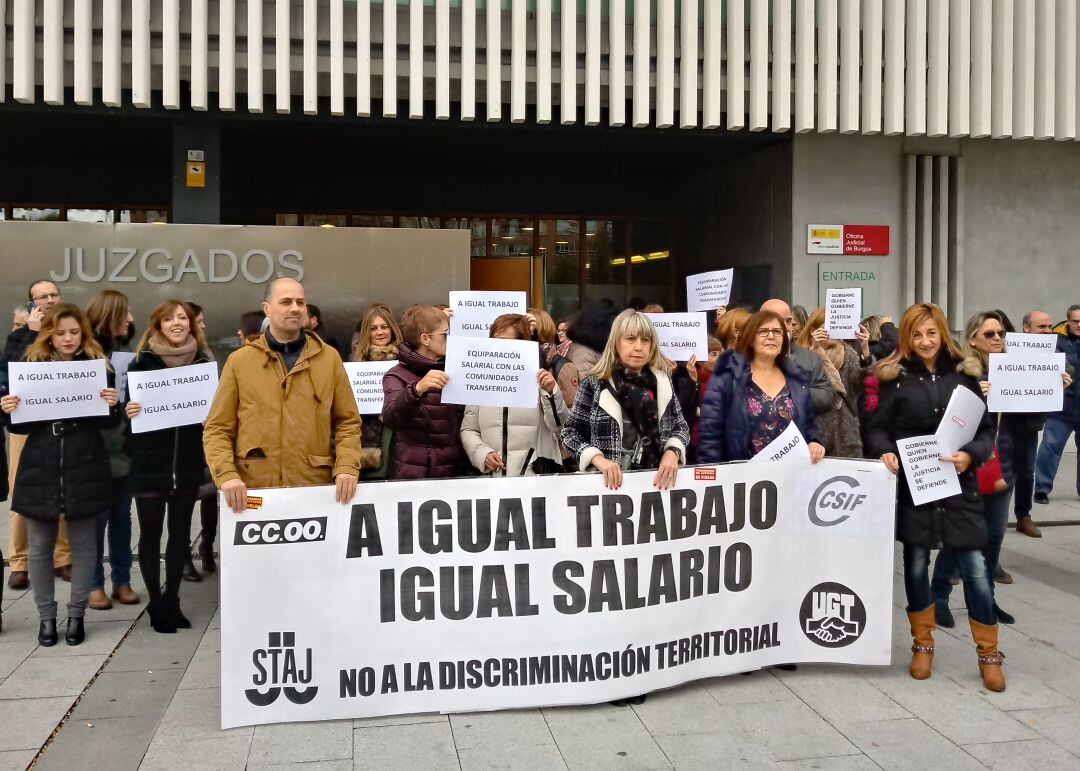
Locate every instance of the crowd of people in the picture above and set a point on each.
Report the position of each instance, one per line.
(607, 401)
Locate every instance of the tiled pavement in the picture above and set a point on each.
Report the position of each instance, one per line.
(130, 698)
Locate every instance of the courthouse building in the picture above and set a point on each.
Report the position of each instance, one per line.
(921, 149)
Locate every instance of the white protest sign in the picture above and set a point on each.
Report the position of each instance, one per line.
(789, 445)
(491, 372)
(1026, 382)
(961, 420)
(456, 595)
(474, 311)
(843, 312)
(929, 478)
(1015, 342)
(176, 396)
(120, 362)
(57, 390)
(682, 335)
(709, 291)
(366, 379)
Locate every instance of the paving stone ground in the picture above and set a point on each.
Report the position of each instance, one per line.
(130, 698)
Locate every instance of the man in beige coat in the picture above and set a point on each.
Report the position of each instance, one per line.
(284, 413)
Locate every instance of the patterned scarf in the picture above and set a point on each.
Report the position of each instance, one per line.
(636, 392)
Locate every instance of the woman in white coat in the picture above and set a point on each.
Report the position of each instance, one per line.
(508, 441)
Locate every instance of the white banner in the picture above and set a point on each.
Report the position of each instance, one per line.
(482, 594)
(177, 396)
(1016, 342)
(1026, 382)
(843, 312)
(709, 291)
(491, 372)
(121, 360)
(791, 444)
(474, 311)
(57, 390)
(366, 379)
(682, 335)
(929, 478)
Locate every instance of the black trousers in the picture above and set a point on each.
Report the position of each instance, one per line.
(157, 511)
(208, 513)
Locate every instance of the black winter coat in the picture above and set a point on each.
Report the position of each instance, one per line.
(63, 468)
(169, 460)
(18, 340)
(912, 403)
(724, 426)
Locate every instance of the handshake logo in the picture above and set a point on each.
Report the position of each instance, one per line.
(832, 615)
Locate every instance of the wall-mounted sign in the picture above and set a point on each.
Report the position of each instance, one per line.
(849, 275)
(196, 174)
(859, 240)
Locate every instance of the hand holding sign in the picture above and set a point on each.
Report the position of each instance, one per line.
(488, 372)
(843, 308)
(473, 312)
(57, 390)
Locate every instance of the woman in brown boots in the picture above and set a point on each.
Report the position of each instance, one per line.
(916, 384)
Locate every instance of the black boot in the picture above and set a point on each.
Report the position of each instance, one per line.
(1003, 617)
(178, 616)
(943, 616)
(206, 554)
(76, 632)
(47, 636)
(160, 617)
(190, 573)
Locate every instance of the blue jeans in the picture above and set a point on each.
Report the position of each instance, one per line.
(119, 529)
(946, 567)
(1025, 450)
(977, 585)
(1055, 437)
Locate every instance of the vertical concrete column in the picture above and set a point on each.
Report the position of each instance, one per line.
(201, 142)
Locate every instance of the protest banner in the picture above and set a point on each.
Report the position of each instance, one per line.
(366, 378)
(474, 311)
(491, 372)
(682, 335)
(843, 313)
(1030, 381)
(121, 360)
(788, 446)
(468, 594)
(57, 390)
(177, 396)
(1016, 342)
(960, 422)
(929, 478)
(709, 291)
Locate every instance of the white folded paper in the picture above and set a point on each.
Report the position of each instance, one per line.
(788, 446)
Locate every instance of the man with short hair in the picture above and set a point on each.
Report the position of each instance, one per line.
(43, 295)
(1061, 425)
(284, 414)
(19, 316)
(822, 394)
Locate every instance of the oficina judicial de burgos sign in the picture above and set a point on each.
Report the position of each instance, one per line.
(857, 240)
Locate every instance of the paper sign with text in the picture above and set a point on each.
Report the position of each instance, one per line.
(682, 335)
(474, 311)
(177, 396)
(57, 390)
(843, 312)
(788, 446)
(366, 378)
(709, 291)
(961, 420)
(929, 478)
(491, 372)
(1026, 382)
(1015, 342)
(120, 362)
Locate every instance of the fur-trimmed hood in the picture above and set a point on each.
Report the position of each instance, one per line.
(891, 368)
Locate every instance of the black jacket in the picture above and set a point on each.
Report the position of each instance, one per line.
(171, 459)
(912, 402)
(63, 468)
(17, 343)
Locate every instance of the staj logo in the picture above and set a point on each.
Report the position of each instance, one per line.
(278, 670)
(832, 615)
(832, 498)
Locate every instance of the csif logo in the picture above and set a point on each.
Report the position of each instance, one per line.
(832, 615)
(278, 669)
(834, 500)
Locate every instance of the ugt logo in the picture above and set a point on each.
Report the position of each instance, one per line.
(276, 666)
(832, 615)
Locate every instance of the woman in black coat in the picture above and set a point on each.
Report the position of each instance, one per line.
(754, 394)
(63, 472)
(916, 385)
(166, 466)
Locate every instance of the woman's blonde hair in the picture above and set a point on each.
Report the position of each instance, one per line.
(107, 312)
(42, 349)
(164, 310)
(363, 342)
(973, 325)
(731, 323)
(629, 323)
(914, 317)
(814, 321)
(546, 331)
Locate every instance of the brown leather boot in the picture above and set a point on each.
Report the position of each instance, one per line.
(990, 658)
(1025, 526)
(98, 600)
(922, 643)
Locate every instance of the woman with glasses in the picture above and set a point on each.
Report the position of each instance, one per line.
(754, 394)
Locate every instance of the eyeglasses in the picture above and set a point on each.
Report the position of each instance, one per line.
(990, 334)
(49, 296)
(770, 332)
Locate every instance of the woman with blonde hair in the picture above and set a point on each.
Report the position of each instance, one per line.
(917, 383)
(377, 340)
(844, 368)
(626, 416)
(63, 472)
